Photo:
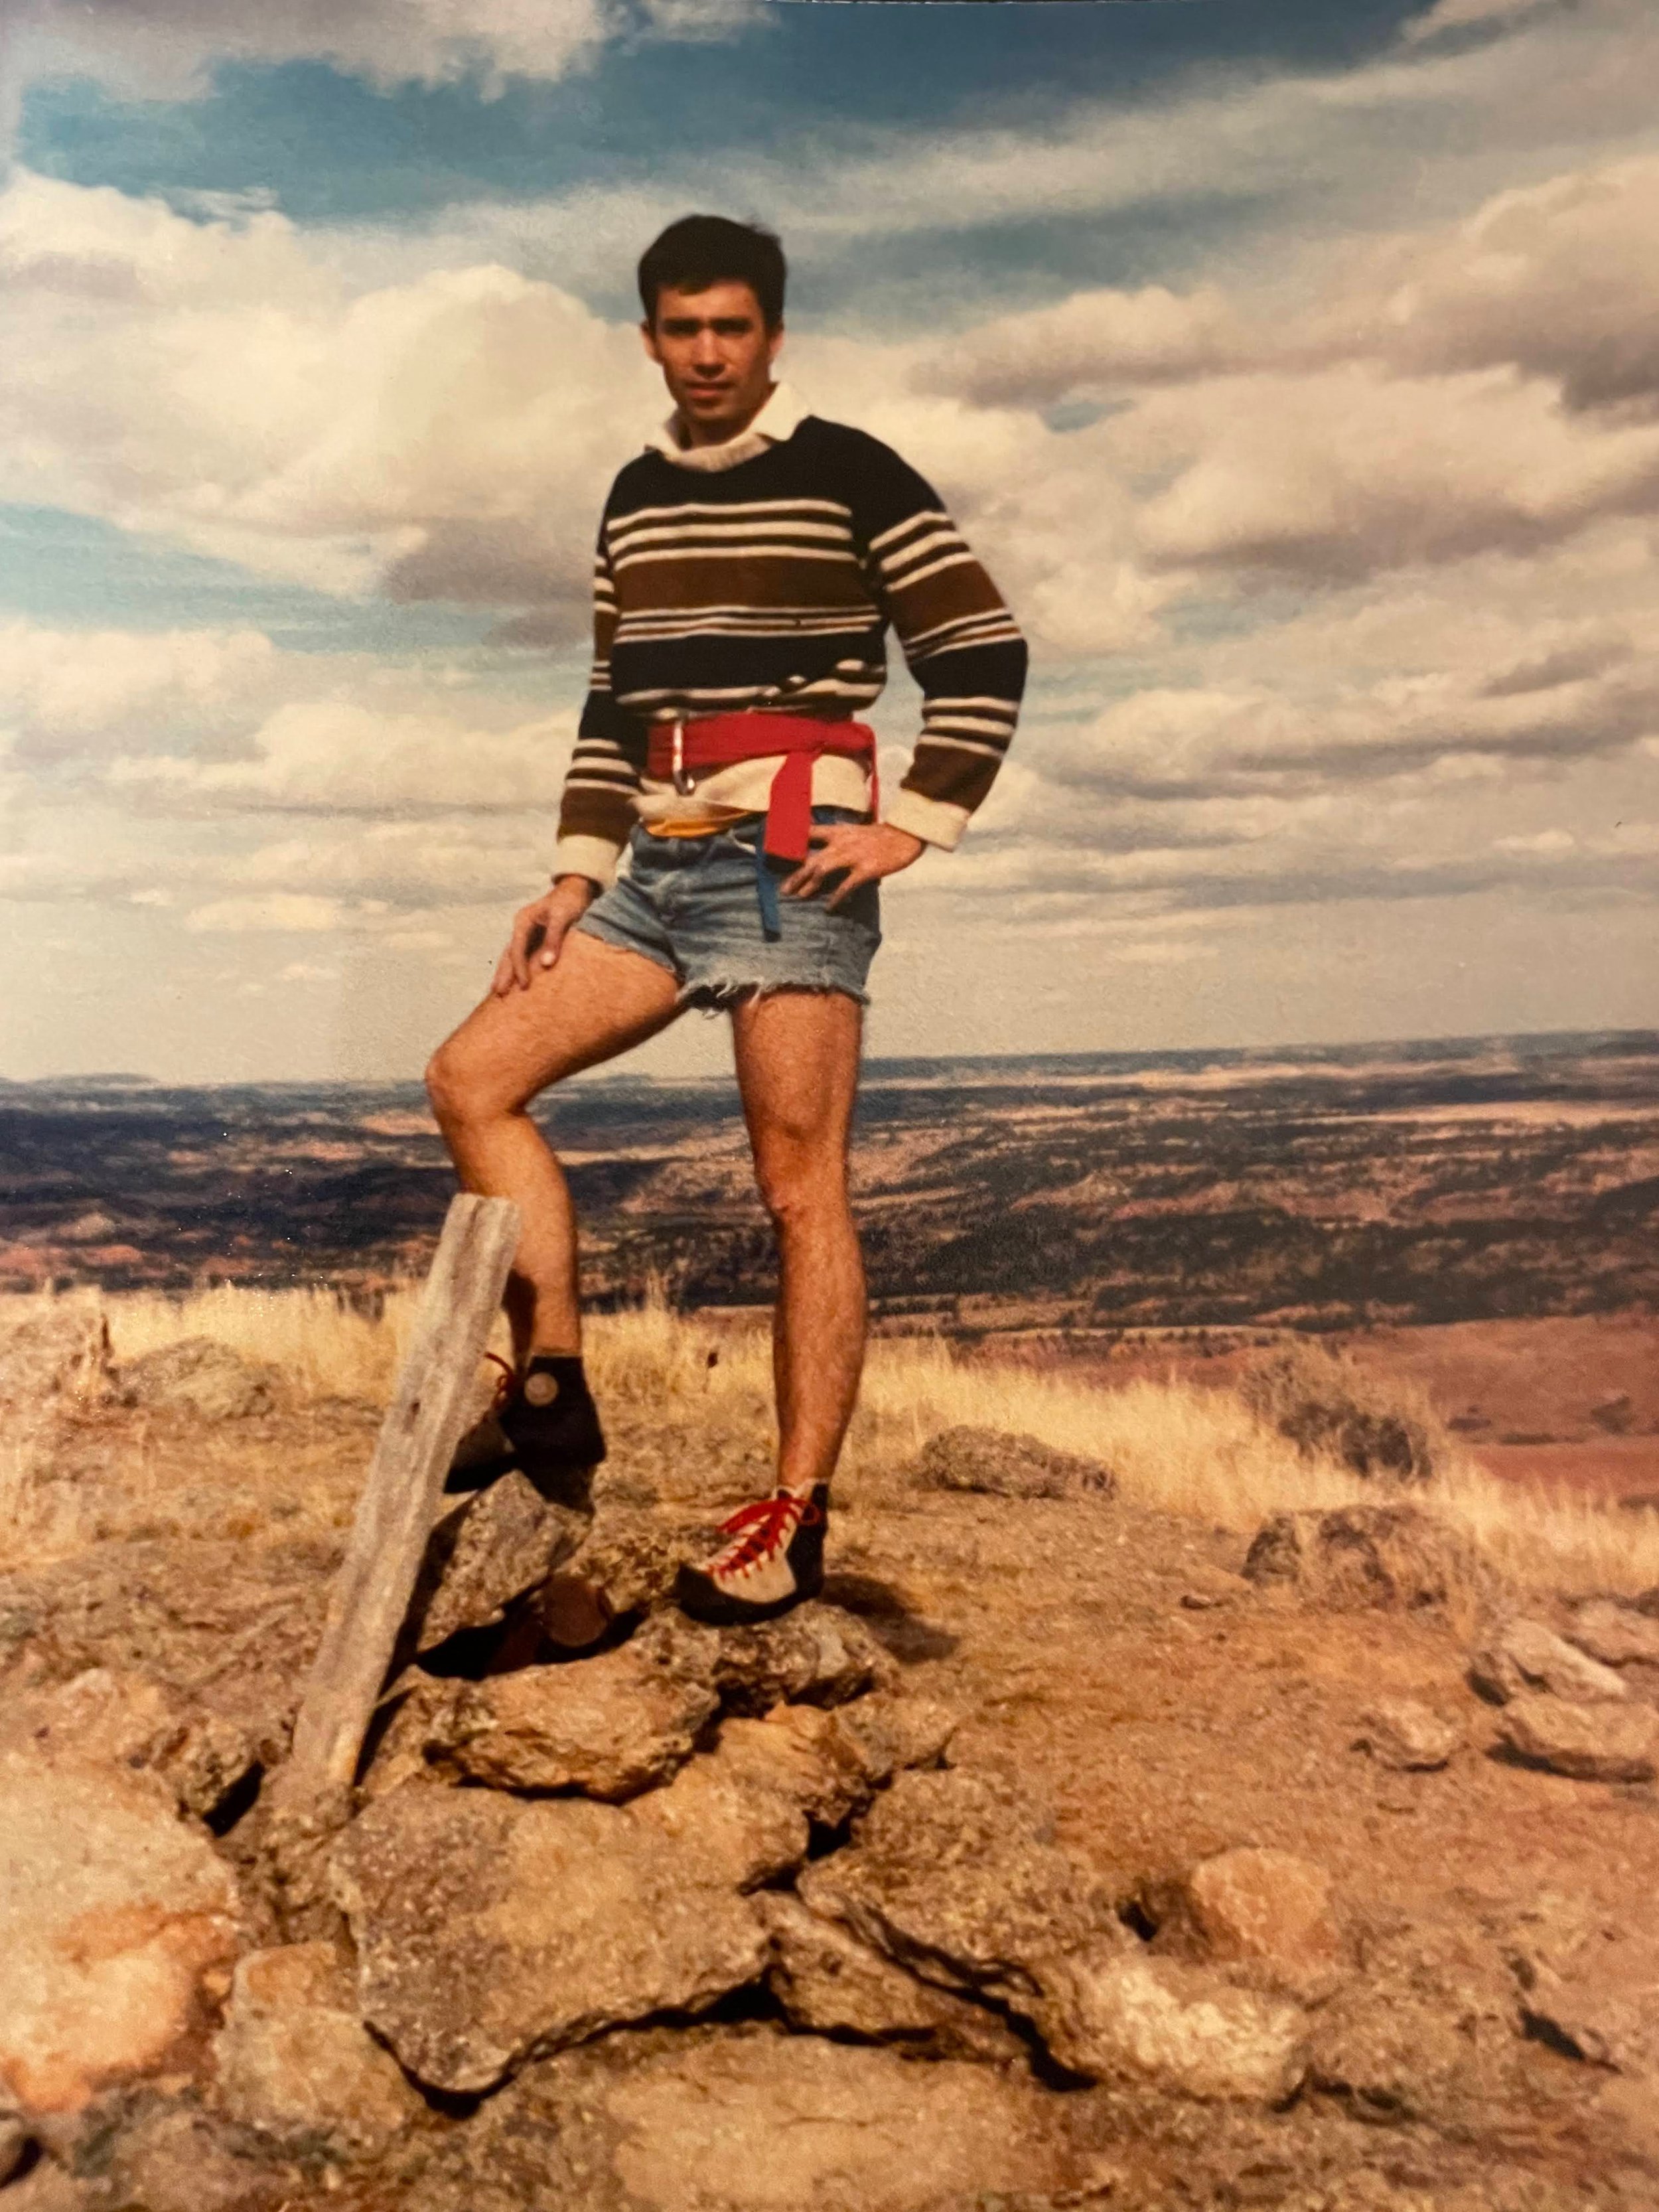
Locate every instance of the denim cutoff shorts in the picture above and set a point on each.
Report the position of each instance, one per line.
(691, 905)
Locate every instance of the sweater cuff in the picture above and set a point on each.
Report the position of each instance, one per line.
(935, 820)
(592, 857)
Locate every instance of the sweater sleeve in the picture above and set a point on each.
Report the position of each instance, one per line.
(959, 642)
(596, 807)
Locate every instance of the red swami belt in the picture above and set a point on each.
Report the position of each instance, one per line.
(674, 749)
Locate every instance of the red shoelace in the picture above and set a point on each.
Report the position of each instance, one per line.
(765, 1525)
(506, 1383)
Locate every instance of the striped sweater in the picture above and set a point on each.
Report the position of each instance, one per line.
(762, 574)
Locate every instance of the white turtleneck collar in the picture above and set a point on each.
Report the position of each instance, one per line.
(779, 418)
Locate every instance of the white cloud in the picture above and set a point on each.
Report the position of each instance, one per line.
(167, 49)
(336, 756)
(69, 691)
(217, 382)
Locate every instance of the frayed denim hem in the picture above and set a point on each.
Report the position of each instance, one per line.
(720, 995)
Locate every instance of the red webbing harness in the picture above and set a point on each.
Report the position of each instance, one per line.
(675, 748)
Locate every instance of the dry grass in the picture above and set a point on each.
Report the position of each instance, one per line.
(1201, 1453)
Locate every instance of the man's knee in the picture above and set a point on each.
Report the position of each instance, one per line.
(456, 1088)
(798, 1187)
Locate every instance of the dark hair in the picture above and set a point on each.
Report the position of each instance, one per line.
(701, 250)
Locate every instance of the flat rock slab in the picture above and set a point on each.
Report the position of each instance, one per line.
(1525, 1655)
(488, 1928)
(1393, 1557)
(1590, 1743)
(1126, 2017)
(1617, 1635)
(953, 1876)
(998, 1465)
(117, 1926)
(609, 1726)
(759, 2122)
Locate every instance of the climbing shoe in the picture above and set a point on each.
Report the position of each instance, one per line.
(772, 1559)
(543, 1422)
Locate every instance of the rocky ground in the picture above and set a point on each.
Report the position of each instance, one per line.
(1064, 1854)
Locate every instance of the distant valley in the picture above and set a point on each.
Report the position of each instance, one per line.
(1331, 1188)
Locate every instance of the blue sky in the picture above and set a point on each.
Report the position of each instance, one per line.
(1291, 365)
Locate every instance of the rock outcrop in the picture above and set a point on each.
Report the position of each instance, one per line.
(117, 1928)
(101, 1717)
(202, 1376)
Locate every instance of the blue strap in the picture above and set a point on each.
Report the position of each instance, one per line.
(766, 887)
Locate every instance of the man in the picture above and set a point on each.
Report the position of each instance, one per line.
(749, 564)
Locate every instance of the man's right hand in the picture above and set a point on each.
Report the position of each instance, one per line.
(539, 930)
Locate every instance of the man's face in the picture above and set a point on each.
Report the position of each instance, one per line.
(716, 354)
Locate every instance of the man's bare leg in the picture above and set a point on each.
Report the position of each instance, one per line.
(597, 1001)
(798, 1061)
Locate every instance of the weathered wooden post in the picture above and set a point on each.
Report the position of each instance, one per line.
(398, 1504)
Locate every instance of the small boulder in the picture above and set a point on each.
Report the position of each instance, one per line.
(1524, 1655)
(202, 1376)
(997, 1465)
(1123, 2016)
(1362, 1556)
(487, 1551)
(954, 1876)
(609, 1726)
(1270, 1912)
(1590, 1743)
(59, 1355)
(1407, 1736)
(817, 1656)
(294, 2062)
(118, 1927)
(1617, 1635)
(828, 1981)
(488, 1930)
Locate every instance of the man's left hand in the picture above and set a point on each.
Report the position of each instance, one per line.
(857, 852)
